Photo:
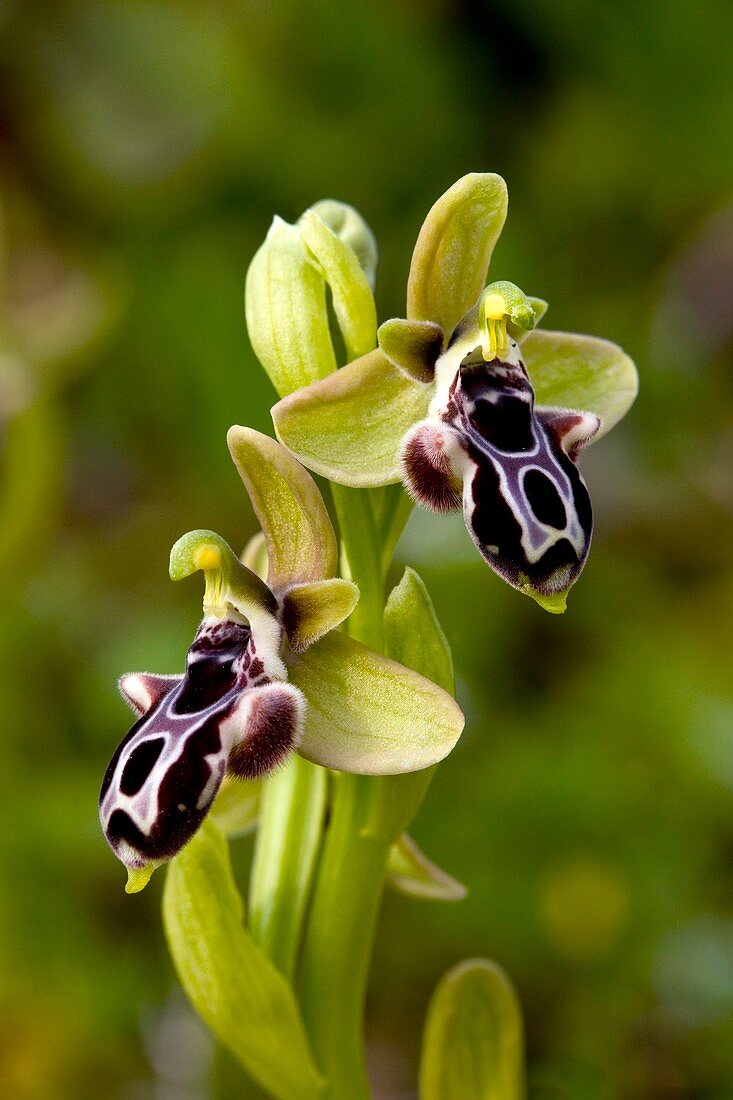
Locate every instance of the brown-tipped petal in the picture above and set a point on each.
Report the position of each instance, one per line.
(311, 610)
(413, 346)
(273, 724)
(142, 690)
(427, 469)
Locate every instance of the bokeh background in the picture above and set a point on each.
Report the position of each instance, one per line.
(589, 806)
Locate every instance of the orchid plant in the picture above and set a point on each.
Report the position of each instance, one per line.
(311, 710)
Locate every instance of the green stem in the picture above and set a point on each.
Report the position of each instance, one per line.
(361, 562)
(365, 822)
(292, 810)
(340, 937)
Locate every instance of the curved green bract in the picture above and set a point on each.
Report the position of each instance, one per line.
(349, 427)
(299, 536)
(411, 872)
(234, 987)
(473, 1039)
(571, 371)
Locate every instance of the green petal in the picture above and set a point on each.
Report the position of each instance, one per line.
(411, 872)
(581, 372)
(353, 302)
(347, 223)
(231, 983)
(413, 346)
(236, 806)
(473, 1044)
(301, 544)
(285, 306)
(311, 610)
(453, 250)
(349, 427)
(412, 634)
(369, 715)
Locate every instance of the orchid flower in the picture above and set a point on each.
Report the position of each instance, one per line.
(462, 400)
(266, 674)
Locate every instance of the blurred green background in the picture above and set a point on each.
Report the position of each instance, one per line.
(589, 806)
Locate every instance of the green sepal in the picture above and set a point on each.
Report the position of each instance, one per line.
(231, 983)
(347, 223)
(254, 555)
(413, 346)
(473, 1039)
(285, 307)
(411, 872)
(299, 536)
(310, 610)
(351, 294)
(369, 715)
(236, 806)
(228, 581)
(349, 427)
(453, 249)
(570, 371)
(412, 634)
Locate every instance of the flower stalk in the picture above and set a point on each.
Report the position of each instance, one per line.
(337, 703)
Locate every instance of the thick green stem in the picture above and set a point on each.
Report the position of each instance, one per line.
(365, 821)
(292, 810)
(340, 937)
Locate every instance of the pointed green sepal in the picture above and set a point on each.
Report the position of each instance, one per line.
(228, 582)
(369, 715)
(473, 1041)
(347, 223)
(411, 872)
(231, 983)
(286, 311)
(349, 427)
(581, 372)
(413, 346)
(353, 302)
(299, 536)
(310, 610)
(453, 249)
(236, 806)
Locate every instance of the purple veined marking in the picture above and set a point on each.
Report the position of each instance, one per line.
(229, 712)
(510, 465)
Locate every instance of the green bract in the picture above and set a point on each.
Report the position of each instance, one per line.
(473, 1041)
